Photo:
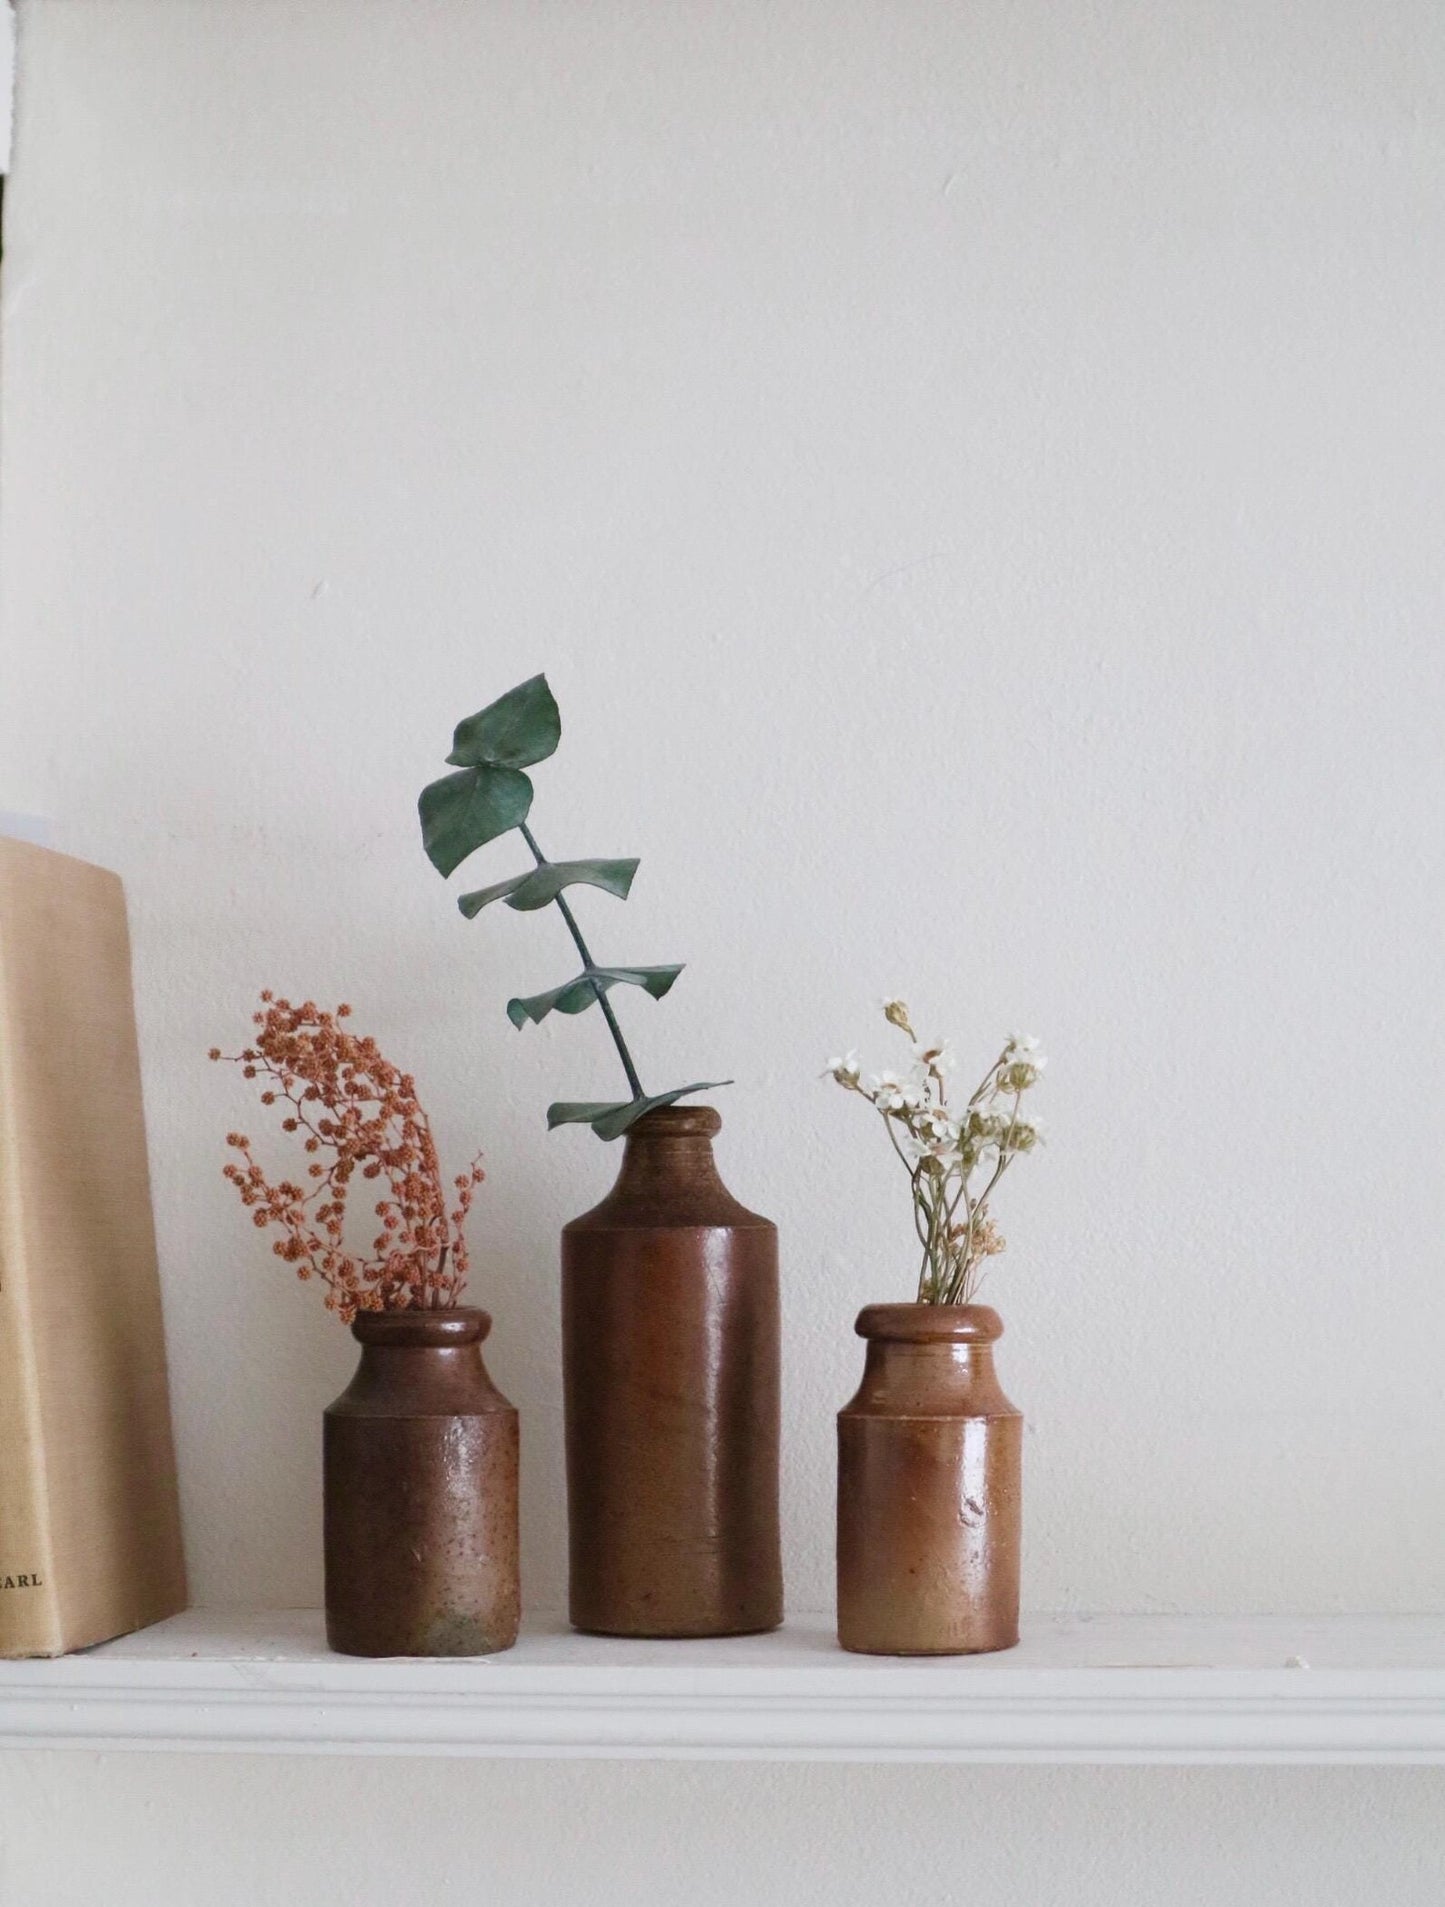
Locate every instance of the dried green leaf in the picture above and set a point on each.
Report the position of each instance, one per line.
(611, 1120)
(580, 1112)
(519, 728)
(577, 995)
(541, 885)
(462, 812)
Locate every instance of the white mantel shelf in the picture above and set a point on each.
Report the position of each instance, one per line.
(1100, 1689)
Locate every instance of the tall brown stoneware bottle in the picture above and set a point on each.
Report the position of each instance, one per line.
(420, 1492)
(929, 1472)
(670, 1370)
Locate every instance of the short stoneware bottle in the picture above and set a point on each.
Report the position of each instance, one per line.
(929, 1472)
(420, 1489)
(671, 1383)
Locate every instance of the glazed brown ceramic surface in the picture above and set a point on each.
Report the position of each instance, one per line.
(421, 1493)
(929, 1470)
(670, 1367)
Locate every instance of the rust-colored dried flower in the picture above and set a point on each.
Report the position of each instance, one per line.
(355, 1105)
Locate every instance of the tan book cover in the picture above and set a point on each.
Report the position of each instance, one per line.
(90, 1542)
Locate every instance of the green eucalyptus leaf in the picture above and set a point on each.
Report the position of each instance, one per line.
(612, 1121)
(521, 727)
(541, 885)
(577, 995)
(581, 1112)
(462, 812)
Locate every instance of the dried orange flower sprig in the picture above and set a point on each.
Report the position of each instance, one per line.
(355, 1106)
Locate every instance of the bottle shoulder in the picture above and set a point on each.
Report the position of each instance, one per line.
(718, 1211)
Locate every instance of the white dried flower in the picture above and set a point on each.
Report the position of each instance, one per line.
(934, 1136)
(890, 1094)
(954, 1159)
(1021, 1065)
(1017, 1075)
(937, 1143)
(1024, 1134)
(986, 1122)
(934, 1056)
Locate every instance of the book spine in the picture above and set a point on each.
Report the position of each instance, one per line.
(29, 1608)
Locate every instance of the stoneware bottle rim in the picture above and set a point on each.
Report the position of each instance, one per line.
(452, 1326)
(930, 1323)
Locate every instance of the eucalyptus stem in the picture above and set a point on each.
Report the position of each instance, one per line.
(598, 989)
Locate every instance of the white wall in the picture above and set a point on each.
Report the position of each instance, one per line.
(7, 79)
(973, 475)
(166, 1832)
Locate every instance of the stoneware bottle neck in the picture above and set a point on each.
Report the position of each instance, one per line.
(669, 1177)
(930, 1359)
(421, 1363)
(670, 1152)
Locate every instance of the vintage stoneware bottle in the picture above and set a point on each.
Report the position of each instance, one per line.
(929, 1471)
(670, 1371)
(421, 1493)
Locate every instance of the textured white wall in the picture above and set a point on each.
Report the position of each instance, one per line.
(143, 1831)
(973, 475)
(7, 78)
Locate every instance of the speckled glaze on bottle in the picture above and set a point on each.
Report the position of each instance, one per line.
(930, 1455)
(671, 1381)
(420, 1493)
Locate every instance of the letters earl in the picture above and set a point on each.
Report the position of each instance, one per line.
(31, 1581)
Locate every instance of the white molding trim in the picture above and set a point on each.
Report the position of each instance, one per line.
(1104, 1690)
